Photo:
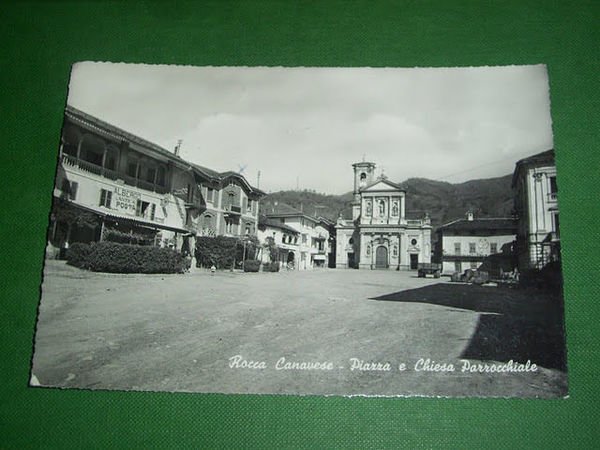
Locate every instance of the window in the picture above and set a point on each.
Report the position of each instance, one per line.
(206, 221)
(105, 198)
(152, 211)
(413, 242)
(229, 226)
(282, 220)
(110, 161)
(69, 189)
(210, 192)
(493, 248)
(230, 196)
(150, 174)
(553, 188)
(132, 167)
(472, 248)
(249, 205)
(556, 223)
(304, 238)
(457, 266)
(141, 208)
(457, 248)
(248, 228)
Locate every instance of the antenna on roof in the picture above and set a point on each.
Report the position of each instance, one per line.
(258, 180)
(297, 183)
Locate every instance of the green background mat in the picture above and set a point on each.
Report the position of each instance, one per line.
(39, 42)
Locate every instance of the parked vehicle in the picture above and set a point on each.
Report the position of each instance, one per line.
(424, 269)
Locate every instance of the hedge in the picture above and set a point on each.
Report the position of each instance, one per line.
(222, 251)
(114, 257)
(77, 255)
(251, 265)
(271, 267)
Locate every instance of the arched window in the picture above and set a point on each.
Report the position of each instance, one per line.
(70, 141)
(363, 179)
(207, 221)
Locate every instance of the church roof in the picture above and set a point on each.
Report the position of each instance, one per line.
(385, 181)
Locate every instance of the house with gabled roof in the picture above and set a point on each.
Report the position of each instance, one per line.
(313, 236)
(379, 235)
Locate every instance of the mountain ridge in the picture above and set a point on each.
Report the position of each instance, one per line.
(442, 200)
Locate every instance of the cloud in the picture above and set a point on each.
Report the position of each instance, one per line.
(311, 124)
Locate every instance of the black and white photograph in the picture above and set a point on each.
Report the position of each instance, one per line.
(304, 231)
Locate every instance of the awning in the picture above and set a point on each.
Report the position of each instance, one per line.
(112, 215)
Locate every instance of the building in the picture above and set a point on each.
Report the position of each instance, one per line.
(379, 235)
(536, 206)
(284, 237)
(310, 247)
(464, 243)
(111, 184)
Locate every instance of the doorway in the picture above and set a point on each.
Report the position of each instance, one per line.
(381, 257)
(414, 261)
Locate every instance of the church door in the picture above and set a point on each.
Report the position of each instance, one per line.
(381, 258)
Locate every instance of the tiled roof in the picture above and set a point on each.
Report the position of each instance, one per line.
(493, 224)
(273, 223)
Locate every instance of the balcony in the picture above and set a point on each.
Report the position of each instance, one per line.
(86, 166)
(233, 210)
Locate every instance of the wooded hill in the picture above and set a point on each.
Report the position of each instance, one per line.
(444, 202)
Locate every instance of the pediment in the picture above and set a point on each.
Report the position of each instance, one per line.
(383, 186)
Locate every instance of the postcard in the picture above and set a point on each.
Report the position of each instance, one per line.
(305, 231)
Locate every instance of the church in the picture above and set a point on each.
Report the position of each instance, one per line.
(379, 236)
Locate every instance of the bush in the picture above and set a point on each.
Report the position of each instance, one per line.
(224, 251)
(126, 258)
(251, 265)
(271, 267)
(77, 255)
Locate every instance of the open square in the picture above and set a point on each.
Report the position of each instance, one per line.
(178, 333)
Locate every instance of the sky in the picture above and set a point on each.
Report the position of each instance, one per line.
(305, 127)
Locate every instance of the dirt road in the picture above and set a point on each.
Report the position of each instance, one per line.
(183, 333)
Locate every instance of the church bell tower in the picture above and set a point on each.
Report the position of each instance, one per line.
(364, 173)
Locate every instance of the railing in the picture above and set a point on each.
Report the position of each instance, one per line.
(233, 209)
(414, 222)
(207, 231)
(90, 167)
(86, 166)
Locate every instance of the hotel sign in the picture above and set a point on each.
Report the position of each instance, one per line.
(125, 200)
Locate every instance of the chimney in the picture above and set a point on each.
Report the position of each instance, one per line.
(469, 215)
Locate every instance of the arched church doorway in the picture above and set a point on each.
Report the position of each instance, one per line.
(381, 257)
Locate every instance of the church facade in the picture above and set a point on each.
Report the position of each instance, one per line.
(379, 235)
